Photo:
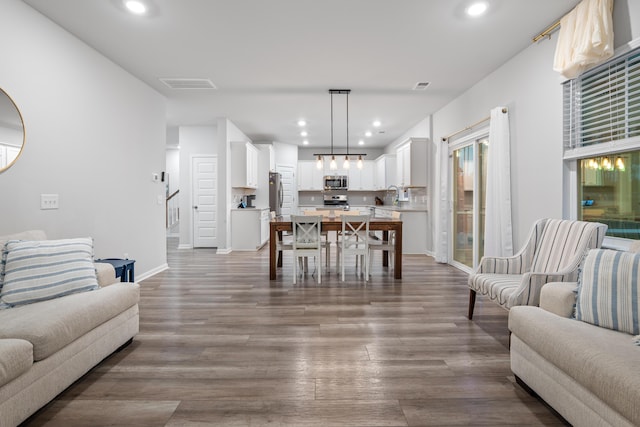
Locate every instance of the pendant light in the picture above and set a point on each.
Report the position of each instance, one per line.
(333, 164)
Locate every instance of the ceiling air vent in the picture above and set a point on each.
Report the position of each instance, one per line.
(188, 83)
(421, 85)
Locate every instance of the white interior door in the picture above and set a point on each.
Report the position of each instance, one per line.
(204, 191)
(289, 205)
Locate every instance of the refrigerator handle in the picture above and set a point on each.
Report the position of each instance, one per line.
(280, 193)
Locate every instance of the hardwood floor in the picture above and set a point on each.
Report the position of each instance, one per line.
(220, 344)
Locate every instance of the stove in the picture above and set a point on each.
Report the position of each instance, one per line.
(336, 200)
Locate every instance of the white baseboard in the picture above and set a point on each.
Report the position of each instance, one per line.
(152, 272)
(223, 251)
(185, 246)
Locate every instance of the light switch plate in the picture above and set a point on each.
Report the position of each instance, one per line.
(48, 201)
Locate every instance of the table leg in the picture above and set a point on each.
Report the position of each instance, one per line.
(280, 252)
(385, 254)
(397, 268)
(131, 275)
(273, 235)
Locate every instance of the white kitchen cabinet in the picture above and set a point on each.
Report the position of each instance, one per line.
(249, 229)
(386, 172)
(362, 179)
(244, 165)
(265, 219)
(415, 231)
(309, 176)
(411, 161)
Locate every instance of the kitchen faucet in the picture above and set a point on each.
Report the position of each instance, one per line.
(397, 198)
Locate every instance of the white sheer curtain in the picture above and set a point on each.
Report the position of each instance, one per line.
(498, 238)
(442, 221)
(585, 37)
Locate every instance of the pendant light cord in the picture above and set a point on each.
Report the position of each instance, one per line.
(347, 124)
(332, 123)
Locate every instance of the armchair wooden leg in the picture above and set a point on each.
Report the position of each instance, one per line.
(472, 303)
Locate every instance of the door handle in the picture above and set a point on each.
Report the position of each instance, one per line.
(195, 207)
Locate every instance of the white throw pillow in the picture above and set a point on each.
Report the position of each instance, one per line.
(46, 269)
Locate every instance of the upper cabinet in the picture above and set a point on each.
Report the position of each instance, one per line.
(309, 176)
(362, 179)
(244, 165)
(385, 172)
(411, 161)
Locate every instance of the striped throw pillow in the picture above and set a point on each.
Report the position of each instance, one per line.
(608, 290)
(46, 269)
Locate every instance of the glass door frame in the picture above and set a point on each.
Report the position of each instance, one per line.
(472, 139)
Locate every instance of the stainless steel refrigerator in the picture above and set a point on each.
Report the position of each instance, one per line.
(276, 193)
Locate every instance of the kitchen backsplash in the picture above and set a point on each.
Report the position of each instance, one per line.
(416, 196)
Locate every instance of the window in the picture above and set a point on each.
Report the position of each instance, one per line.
(602, 140)
(609, 192)
(469, 184)
(603, 105)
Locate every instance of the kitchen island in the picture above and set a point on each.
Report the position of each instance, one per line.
(415, 220)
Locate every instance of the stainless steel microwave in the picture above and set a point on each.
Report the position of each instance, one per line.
(336, 182)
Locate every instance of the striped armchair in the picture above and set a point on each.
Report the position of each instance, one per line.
(553, 253)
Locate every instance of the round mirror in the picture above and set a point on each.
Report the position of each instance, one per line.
(11, 132)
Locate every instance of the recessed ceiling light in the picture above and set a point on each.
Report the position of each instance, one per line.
(376, 123)
(303, 133)
(302, 123)
(361, 142)
(367, 133)
(305, 142)
(477, 9)
(136, 7)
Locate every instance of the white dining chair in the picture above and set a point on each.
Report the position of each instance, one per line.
(286, 244)
(354, 241)
(379, 244)
(307, 241)
(326, 244)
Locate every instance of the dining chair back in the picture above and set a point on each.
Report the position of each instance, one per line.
(307, 241)
(325, 234)
(354, 240)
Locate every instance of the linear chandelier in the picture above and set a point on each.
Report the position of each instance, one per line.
(320, 156)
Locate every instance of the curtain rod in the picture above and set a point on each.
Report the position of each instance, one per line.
(547, 32)
(451, 135)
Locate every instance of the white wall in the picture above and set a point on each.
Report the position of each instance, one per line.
(9, 136)
(227, 132)
(94, 135)
(173, 169)
(531, 90)
(194, 140)
(421, 130)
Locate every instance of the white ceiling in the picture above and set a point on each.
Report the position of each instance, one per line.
(273, 61)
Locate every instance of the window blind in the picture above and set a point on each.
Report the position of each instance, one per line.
(603, 104)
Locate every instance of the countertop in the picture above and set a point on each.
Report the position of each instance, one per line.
(405, 208)
(256, 209)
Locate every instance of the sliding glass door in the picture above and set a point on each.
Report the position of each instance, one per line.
(468, 184)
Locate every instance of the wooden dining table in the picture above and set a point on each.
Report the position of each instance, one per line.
(280, 224)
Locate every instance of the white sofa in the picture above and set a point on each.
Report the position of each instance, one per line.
(587, 373)
(48, 345)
